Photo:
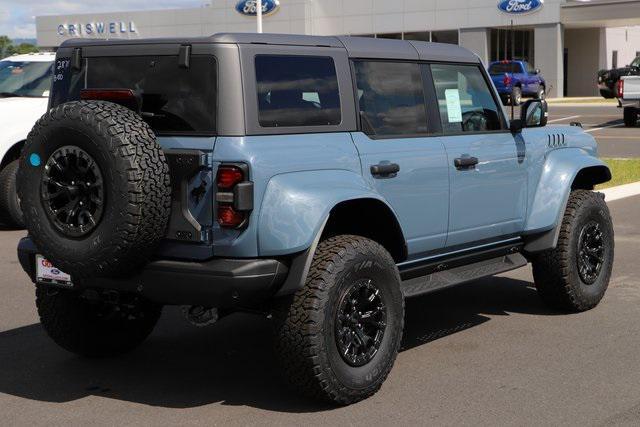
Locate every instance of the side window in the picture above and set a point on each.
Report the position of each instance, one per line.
(297, 91)
(391, 98)
(465, 100)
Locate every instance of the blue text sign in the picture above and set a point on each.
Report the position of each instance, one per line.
(520, 7)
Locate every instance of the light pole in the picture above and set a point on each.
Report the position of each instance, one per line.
(259, 14)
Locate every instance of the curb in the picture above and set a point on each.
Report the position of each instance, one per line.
(621, 192)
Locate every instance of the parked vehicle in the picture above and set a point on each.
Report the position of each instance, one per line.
(515, 80)
(608, 79)
(318, 180)
(24, 92)
(630, 99)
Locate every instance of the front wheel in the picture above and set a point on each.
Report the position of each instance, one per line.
(338, 336)
(575, 275)
(10, 212)
(94, 324)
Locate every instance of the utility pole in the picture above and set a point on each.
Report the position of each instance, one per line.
(259, 15)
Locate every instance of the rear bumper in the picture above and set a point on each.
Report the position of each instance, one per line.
(218, 282)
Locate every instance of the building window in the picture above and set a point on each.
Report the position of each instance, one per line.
(466, 103)
(512, 45)
(391, 98)
(450, 37)
(614, 59)
(393, 36)
(422, 36)
(297, 91)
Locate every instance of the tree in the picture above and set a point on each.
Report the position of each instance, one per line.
(5, 43)
(22, 49)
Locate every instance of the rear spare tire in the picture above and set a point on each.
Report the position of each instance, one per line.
(95, 189)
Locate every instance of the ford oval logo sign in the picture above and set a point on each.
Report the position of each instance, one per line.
(250, 7)
(520, 7)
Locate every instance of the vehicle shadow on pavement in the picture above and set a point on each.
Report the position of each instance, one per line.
(231, 363)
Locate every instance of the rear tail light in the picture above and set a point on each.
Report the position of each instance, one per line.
(234, 195)
(620, 89)
(507, 80)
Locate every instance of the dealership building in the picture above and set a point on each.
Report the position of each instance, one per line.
(569, 40)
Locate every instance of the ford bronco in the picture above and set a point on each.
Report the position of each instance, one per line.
(317, 180)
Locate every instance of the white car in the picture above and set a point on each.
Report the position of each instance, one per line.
(25, 81)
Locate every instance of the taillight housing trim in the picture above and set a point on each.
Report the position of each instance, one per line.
(620, 87)
(234, 195)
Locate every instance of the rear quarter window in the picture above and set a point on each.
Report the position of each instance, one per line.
(296, 91)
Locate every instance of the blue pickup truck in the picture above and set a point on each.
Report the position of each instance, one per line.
(517, 79)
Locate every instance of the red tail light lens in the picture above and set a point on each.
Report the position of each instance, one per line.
(621, 89)
(229, 177)
(229, 217)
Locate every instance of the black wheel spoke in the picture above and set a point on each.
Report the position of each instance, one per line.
(72, 191)
(360, 323)
(591, 252)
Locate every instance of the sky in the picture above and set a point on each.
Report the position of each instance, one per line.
(17, 17)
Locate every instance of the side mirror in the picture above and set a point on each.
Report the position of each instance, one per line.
(537, 71)
(534, 114)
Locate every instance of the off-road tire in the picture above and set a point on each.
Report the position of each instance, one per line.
(306, 342)
(93, 328)
(630, 117)
(137, 190)
(516, 96)
(10, 212)
(556, 272)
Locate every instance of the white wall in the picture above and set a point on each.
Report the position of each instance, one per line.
(626, 40)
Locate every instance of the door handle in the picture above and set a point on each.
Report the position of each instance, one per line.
(385, 170)
(465, 162)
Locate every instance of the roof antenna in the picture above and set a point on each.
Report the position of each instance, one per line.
(513, 50)
(259, 15)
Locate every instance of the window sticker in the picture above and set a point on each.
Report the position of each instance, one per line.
(454, 109)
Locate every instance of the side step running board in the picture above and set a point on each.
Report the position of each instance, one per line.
(463, 274)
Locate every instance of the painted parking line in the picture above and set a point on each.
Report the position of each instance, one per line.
(604, 127)
(621, 192)
(563, 119)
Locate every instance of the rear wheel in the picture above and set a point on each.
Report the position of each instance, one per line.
(575, 275)
(10, 212)
(339, 335)
(516, 96)
(630, 116)
(93, 324)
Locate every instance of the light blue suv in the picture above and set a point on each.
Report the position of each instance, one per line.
(316, 180)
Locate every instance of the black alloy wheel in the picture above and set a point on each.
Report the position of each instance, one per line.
(361, 323)
(73, 191)
(590, 252)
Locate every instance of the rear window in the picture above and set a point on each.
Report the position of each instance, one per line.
(297, 91)
(503, 68)
(174, 99)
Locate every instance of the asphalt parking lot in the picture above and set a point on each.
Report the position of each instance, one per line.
(605, 124)
(486, 353)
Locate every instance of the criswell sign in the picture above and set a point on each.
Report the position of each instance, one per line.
(520, 7)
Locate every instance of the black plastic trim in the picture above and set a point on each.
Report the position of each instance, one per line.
(217, 282)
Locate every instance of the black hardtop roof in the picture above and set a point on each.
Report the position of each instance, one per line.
(356, 47)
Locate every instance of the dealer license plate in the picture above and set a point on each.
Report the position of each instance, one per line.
(46, 273)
